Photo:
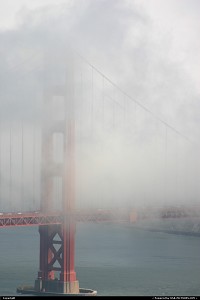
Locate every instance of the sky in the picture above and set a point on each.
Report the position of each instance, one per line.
(149, 48)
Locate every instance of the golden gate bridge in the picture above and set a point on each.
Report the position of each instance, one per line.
(68, 132)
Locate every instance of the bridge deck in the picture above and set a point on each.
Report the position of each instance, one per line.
(38, 218)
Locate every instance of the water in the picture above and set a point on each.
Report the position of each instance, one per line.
(112, 259)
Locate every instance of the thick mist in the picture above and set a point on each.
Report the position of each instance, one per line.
(135, 99)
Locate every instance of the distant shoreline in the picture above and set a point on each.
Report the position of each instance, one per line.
(177, 232)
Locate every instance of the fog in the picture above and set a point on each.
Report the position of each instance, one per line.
(132, 89)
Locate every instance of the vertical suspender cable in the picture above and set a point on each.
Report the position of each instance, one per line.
(22, 167)
(0, 164)
(81, 136)
(156, 157)
(81, 106)
(103, 107)
(124, 115)
(165, 162)
(113, 108)
(186, 173)
(135, 119)
(10, 185)
(92, 105)
(34, 166)
(56, 181)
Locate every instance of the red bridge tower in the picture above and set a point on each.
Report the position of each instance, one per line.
(57, 242)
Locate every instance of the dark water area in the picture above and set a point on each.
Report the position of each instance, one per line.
(112, 259)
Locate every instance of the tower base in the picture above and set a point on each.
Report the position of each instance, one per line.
(57, 286)
(28, 290)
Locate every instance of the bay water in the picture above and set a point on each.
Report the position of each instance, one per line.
(113, 259)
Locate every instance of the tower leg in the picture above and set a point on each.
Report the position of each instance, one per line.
(68, 274)
(57, 248)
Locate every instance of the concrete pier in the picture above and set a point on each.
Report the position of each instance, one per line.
(29, 290)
